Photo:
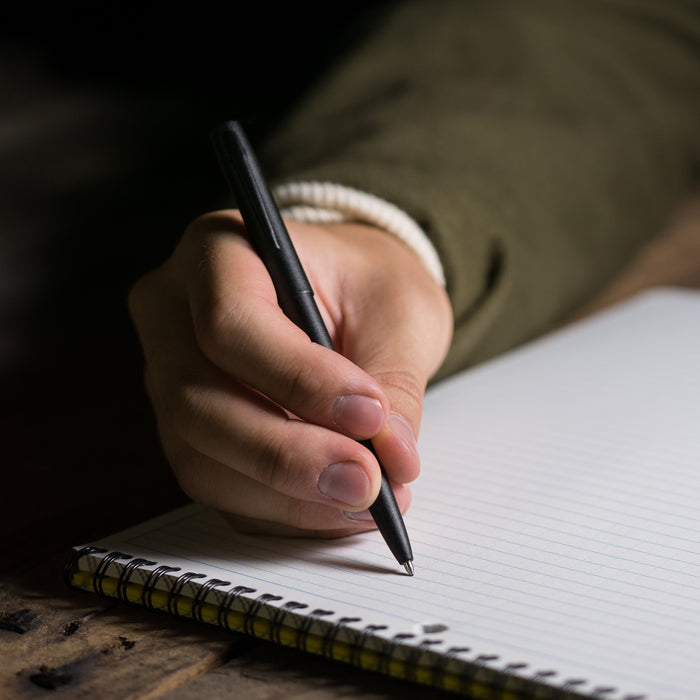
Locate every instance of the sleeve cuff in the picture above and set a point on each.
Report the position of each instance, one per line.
(327, 202)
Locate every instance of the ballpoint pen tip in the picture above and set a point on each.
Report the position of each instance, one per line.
(409, 568)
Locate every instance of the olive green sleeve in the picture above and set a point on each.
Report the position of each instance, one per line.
(537, 143)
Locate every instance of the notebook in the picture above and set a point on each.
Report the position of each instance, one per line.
(555, 528)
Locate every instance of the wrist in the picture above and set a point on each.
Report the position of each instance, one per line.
(330, 203)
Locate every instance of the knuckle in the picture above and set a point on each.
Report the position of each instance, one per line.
(302, 382)
(289, 463)
(214, 221)
(275, 466)
(178, 405)
(208, 321)
(403, 382)
(188, 408)
(223, 326)
(297, 514)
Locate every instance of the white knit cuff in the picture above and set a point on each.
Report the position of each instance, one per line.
(327, 202)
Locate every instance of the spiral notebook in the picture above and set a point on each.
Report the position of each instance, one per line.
(555, 527)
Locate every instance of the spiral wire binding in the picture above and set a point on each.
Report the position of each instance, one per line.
(359, 645)
(573, 684)
(281, 616)
(73, 562)
(305, 627)
(176, 590)
(474, 674)
(329, 639)
(125, 577)
(225, 607)
(481, 674)
(201, 596)
(152, 582)
(102, 569)
(388, 653)
(507, 681)
(414, 656)
(252, 613)
(439, 671)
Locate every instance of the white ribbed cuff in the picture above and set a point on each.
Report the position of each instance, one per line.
(327, 202)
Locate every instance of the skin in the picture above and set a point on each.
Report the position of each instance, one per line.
(254, 418)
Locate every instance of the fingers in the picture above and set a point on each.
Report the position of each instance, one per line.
(257, 420)
(251, 507)
(385, 312)
(227, 423)
(240, 328)
(400, 344)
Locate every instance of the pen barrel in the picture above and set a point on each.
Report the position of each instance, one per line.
(386, 514)
(302, 310)
(266, 230)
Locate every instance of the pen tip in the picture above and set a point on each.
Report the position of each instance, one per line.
(409, 568)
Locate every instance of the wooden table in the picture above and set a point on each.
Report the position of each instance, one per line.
(55, 642)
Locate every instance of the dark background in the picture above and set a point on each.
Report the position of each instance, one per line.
(104, 160)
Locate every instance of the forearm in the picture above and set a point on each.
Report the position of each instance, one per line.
(536, 144)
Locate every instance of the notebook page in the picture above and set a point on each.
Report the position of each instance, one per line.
(556, 522)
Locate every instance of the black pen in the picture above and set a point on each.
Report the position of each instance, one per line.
(295, 296)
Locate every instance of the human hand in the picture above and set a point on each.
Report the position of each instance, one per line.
(254, 418)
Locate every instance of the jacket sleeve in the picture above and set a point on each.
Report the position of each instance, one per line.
(537, 144)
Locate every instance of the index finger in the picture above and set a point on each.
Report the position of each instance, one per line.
(240, 327)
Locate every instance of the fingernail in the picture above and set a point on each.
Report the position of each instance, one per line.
(359, 415)
(363, 515)
(400, 427)
(345, 482)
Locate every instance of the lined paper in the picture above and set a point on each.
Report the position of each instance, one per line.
(556, 522)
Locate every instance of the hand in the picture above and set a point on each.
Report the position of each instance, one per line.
(254, 418)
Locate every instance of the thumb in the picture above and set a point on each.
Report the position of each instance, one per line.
(395, 323)
(396, 442)
(401, 346)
